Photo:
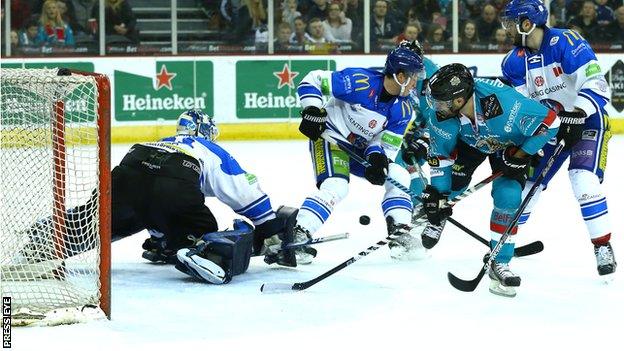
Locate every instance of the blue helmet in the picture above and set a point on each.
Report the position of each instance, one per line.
(406, 57)
(197, 123)
(518, 10)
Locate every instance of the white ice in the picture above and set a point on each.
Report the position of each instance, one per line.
(376, 303)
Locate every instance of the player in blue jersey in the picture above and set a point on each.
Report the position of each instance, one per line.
(470, 119)
(559, 68)
(414, 151)
(161, 186)
(369, 111)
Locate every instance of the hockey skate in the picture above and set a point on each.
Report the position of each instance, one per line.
(605, 259)
(503, 280)
(289, 257)
(402, 242)
(431, 234)
(304, 255)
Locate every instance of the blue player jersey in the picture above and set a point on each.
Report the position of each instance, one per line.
(221, 176)
(354, 109)
(563, 74)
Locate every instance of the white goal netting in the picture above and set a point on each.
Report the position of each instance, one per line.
(49, 191)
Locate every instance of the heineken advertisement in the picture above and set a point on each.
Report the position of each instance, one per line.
(172, 88)
(268, 89)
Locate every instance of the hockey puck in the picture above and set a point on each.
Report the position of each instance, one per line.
(364, 220)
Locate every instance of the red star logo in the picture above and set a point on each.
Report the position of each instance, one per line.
(285, 77)
(163, 79)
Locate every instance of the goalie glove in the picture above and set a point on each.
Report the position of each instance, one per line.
(313, 122)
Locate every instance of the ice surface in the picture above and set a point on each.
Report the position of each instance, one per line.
(376, 303)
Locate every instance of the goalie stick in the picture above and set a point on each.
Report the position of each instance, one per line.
(471, 285)
(525, 250)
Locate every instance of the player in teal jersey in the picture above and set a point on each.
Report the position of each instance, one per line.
(469, 120)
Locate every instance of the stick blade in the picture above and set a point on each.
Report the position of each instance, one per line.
(465, 285)
(529, 249)
(269, 288)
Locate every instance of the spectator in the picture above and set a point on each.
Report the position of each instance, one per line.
(354, 12)
(20, 13)
(300, 36)
(289, 13)
(383, 28)
(318, 35)
(488, 23)
(14, 40)
(337, 24)
(425, 9)
(500, 42)
(604, 13)
(468, 37)
(68, 14)
(317, 10)
(472, 8)
(251, 16)
(52, 29)
(119, 21)
(282, 40)
(558, 8)
(586, 22)
(435, 36)
(28, 35)
(410, 33)
(615, 30)
(82, 12)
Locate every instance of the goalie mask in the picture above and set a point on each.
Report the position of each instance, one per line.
(197, 123)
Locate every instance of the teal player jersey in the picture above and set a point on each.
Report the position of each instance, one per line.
(503, 117)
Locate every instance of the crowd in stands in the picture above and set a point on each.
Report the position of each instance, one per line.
(68, 23)
(319, 26)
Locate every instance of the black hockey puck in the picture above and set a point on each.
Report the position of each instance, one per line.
(364, 220)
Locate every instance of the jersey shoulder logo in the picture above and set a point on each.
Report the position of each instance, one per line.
(490, 106)
(554, 40)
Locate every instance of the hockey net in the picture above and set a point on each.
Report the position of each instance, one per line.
(55, 195)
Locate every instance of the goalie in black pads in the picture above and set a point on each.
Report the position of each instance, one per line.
(161, 186)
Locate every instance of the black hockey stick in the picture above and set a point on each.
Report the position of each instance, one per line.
(276, 287)
(344, 146)
(529, 249)
(471, 285)
(520, 251)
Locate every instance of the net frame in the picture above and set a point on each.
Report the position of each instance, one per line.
(60, 141)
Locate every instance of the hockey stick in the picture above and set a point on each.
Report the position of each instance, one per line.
(344, 146)
(471, 285)
(525, 250)
(308, 242)
(277, 287)
(520, 251)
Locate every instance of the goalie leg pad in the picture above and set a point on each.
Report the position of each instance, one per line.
(231, 254)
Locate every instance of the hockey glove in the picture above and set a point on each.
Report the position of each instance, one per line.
(415, 148)
(376, 172)
(433, 204)
(571, 129)
(313, 122)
